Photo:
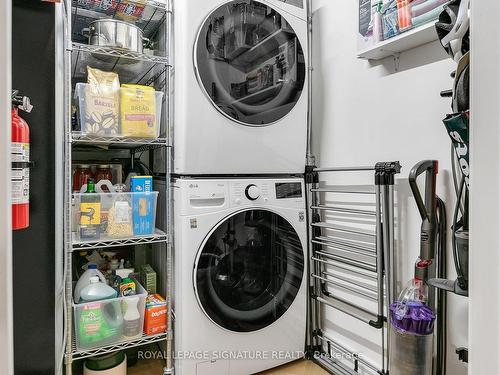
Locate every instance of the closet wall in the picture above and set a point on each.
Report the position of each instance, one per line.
(366, 112)
(485, 196)
(33, 49)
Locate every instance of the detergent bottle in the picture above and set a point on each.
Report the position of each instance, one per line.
(84, 280)
(99, 317)
(97, 291)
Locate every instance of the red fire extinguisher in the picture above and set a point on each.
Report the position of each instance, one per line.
(20, 154)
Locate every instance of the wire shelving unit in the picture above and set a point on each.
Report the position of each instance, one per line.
(152, 68)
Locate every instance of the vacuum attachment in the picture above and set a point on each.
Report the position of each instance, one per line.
(459, 286)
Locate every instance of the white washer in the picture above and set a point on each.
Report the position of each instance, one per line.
(240, 87)
(240, 275)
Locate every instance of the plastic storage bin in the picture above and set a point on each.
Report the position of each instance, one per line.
(103, 323)
(405, 15)
(108, 216)
(131, 112)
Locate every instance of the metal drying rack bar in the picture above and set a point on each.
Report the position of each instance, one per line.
(334, 253)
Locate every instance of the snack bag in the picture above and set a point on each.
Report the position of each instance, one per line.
(102, 101)
(130, 11)
(138, 111)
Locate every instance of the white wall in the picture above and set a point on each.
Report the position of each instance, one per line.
(367, 112)
(485, 188)
(6, 325)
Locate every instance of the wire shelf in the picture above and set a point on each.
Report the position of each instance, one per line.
(129, 57)
(144, 340)
(132, 67)
(78, 138)
(149, 16)
(158, 237)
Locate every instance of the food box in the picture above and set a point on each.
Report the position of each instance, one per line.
(143, 205)
(155, 317)
(148, 278)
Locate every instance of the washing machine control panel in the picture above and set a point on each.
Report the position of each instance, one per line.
(267, 192)
(245, 192)
(204, 195)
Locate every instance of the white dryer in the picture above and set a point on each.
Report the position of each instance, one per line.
(240, 275)
(240, 87)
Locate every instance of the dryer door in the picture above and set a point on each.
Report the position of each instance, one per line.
(250, 62)
(249, 270)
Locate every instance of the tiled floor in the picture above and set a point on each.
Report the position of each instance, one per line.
(295, 368)
(152, 367)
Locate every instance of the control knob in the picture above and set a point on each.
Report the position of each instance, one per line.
(252, 192)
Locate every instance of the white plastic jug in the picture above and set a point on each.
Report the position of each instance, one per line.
(97, 291)
(84, 280)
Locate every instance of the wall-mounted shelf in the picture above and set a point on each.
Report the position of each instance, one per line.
(411, 39)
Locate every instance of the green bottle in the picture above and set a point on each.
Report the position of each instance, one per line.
(90, 213)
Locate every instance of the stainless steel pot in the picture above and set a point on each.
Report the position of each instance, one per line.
(115, 34)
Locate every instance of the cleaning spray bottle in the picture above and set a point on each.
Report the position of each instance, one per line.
(132, 318)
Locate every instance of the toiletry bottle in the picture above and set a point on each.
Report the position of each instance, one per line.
(378, 32)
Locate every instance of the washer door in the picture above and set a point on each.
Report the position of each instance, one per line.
(249, 270)
(250, 62)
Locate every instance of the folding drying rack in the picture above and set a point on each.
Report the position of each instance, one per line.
(336, 251)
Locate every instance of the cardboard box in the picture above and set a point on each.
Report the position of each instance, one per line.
(143, 209)
(155, 317)
(148, 278)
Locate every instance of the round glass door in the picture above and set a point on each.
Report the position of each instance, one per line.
(249, 270)
(250, 62)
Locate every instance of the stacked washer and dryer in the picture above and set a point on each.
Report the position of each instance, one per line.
(241, 108)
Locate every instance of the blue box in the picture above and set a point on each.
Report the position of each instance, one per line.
(141, 184)
(143, 205)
